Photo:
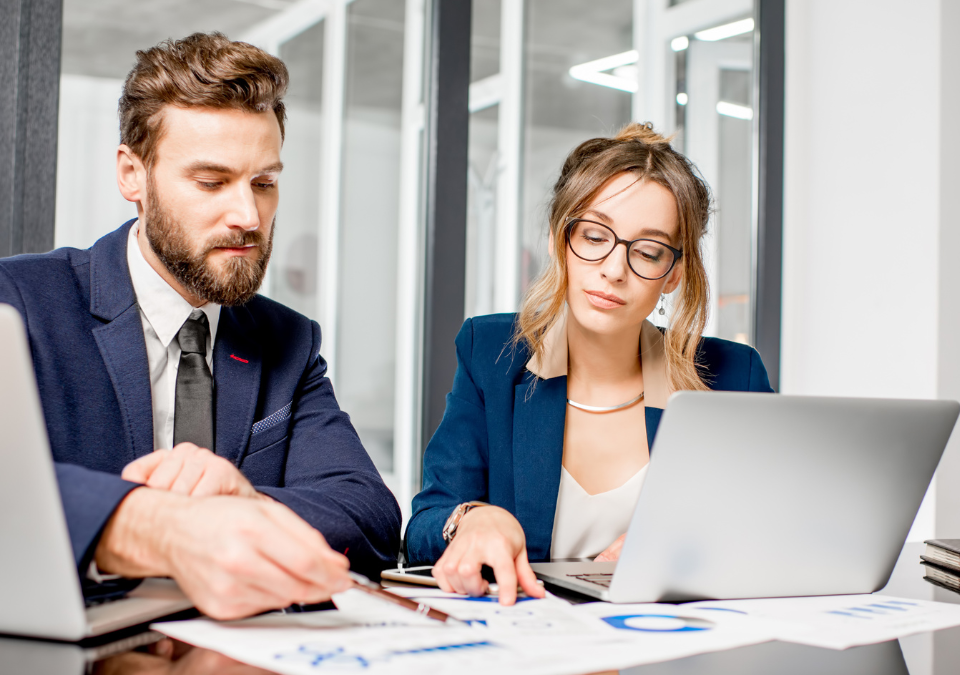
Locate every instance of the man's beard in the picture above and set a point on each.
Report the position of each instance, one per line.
(234, 283)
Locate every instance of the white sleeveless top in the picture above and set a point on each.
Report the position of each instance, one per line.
(587, 524)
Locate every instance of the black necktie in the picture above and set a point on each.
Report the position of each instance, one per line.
(193, 412)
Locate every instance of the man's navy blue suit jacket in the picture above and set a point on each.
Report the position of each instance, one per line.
(276, 415)
(501, 441)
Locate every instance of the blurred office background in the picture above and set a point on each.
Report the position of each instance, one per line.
(865, 175)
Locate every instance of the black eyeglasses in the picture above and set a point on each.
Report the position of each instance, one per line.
(648, 258)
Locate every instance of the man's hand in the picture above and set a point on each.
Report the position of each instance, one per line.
(189, 470)
(487, 535)
(612, 552)
(231, 556)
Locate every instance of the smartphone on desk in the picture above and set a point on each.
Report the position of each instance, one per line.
(424, 575)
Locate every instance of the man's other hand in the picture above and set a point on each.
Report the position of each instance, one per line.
(233, 557)
(189, 470)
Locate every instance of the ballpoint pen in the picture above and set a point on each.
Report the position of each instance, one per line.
(360, 582)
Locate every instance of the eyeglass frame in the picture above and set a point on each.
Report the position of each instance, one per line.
(677, 253)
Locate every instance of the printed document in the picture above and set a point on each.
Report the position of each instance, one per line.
(842, 621)
(531, 637)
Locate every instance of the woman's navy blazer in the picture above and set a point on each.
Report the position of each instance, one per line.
(501, 440)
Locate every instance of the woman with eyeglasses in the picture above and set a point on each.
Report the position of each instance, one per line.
(546, 436)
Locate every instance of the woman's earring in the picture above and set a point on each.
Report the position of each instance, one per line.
(663, 301)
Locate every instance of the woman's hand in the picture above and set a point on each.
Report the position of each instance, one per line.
(492, 536)
(612, 552)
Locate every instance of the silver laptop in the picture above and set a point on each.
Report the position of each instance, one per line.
(756, 495)
(38, 576)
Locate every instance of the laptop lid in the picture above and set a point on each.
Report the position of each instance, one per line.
(753, 495)
(38, 576)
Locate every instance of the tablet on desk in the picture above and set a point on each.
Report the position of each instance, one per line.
(411, 575)
(424, 577)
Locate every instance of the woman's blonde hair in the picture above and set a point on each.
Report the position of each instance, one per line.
(639, 150)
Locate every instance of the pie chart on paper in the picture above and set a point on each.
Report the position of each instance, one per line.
(658, 623)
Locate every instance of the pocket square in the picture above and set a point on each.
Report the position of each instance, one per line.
(274, 419)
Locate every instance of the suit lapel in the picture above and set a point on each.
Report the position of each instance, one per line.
(538, 425)
(237, 363)
(120, 339)
(124, 352)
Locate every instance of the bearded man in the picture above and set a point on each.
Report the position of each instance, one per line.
(194, 432)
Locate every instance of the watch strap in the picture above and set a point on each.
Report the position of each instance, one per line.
(453, 522)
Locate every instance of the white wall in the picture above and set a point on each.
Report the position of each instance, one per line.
(948, 354)
(862, 216)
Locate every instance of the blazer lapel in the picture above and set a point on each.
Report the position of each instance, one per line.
(656, 385)
(538, 425)
(120, 340)
(237, 363)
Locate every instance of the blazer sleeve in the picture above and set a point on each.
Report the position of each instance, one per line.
(88, 497)
(758, 380)
(454, 463)
(331, 482)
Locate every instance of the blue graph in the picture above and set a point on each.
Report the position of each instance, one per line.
(658, 623)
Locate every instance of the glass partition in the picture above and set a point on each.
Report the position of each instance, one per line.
(483, 157)
(292, 276)
(545, 75)
(562, 111)
(712, 110)
(99, 42)
(366, 320)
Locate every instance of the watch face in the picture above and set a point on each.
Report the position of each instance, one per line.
(450, 527)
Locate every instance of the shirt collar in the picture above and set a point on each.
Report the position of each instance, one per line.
(165, 309)
(554, 361)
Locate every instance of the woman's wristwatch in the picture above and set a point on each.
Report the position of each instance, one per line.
(453, 522)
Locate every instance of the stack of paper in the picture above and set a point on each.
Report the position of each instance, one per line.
(842, 621)
(549, 635)
(533, 636)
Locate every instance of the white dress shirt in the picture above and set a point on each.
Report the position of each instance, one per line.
(163, 312)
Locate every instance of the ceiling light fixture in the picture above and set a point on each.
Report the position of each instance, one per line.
(678, 44)
(593, 71)
(725, 31)
(741, 112)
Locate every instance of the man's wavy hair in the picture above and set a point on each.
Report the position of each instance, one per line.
(203, 70)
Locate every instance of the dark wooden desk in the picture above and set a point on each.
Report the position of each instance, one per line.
(936, 653)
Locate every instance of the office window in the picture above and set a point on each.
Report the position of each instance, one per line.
(366, 319)
(338, 253)
(293, 274)
(710, 106)
(584, 71)
(100, 38)
(484, 159)
(562, 111)
(349, 243)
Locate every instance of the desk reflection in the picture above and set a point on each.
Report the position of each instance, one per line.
(168, 657)
(784, 658)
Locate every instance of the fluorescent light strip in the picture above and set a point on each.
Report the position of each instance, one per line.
(606, 80)
(609, 62)
(678, 44)
(741, 112)
(725, 31)
(592, 71)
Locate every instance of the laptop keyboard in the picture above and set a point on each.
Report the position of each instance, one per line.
(598, 579)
